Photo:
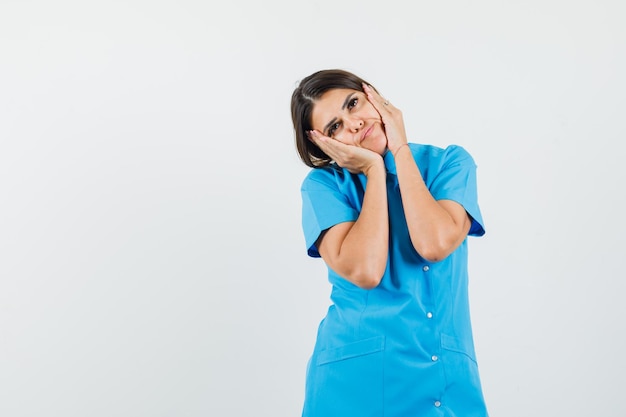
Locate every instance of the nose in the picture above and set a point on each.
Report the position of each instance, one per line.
(354, 124)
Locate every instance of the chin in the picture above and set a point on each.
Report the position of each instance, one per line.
(381, 151)
(379, 145)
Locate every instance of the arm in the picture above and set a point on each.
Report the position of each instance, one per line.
(358, 250)
(436, 228)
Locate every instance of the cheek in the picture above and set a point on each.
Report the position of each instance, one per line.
(343, 137)
(372, 114)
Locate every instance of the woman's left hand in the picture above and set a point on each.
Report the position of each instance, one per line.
(391, 117)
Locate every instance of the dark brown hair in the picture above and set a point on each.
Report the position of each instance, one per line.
(303, 99)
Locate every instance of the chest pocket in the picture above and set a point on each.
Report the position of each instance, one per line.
(351, 350)
(456, 345)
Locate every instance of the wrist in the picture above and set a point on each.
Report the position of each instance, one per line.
(378, 165)
(395, 152)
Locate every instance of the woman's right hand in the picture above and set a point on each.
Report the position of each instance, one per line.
(353, 158)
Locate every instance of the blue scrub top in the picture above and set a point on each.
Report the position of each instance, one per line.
(404, 348)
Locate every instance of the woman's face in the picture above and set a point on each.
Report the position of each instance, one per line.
(347, 116)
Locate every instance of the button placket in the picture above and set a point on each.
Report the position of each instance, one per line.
(429, 314)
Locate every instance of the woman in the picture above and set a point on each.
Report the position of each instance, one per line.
(390, 220)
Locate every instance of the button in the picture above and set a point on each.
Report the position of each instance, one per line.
(429, 315)
(437, 403)
(425, 268)
(434, 358)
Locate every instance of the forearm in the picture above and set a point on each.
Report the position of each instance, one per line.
(358, 251)
(435, 232)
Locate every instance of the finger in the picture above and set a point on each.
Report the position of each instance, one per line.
(315, 137)
(379, 102)
(322, 142)
(331, 147)
(320, 139)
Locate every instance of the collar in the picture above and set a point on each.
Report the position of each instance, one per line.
(390, 162)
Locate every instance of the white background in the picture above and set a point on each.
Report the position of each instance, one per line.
(151, 256)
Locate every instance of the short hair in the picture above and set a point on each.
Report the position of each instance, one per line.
(303, 99)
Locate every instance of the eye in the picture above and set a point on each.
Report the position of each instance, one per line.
(333, 129)
(353, 102)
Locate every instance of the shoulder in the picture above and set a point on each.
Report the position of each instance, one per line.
(438, 155)
(329, 176)
(450, 151)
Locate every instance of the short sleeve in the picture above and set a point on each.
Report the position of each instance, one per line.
(324, 204)
(457, 181)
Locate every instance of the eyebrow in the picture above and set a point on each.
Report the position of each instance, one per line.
(345, 104)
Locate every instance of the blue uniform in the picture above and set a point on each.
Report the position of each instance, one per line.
(404, 348)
